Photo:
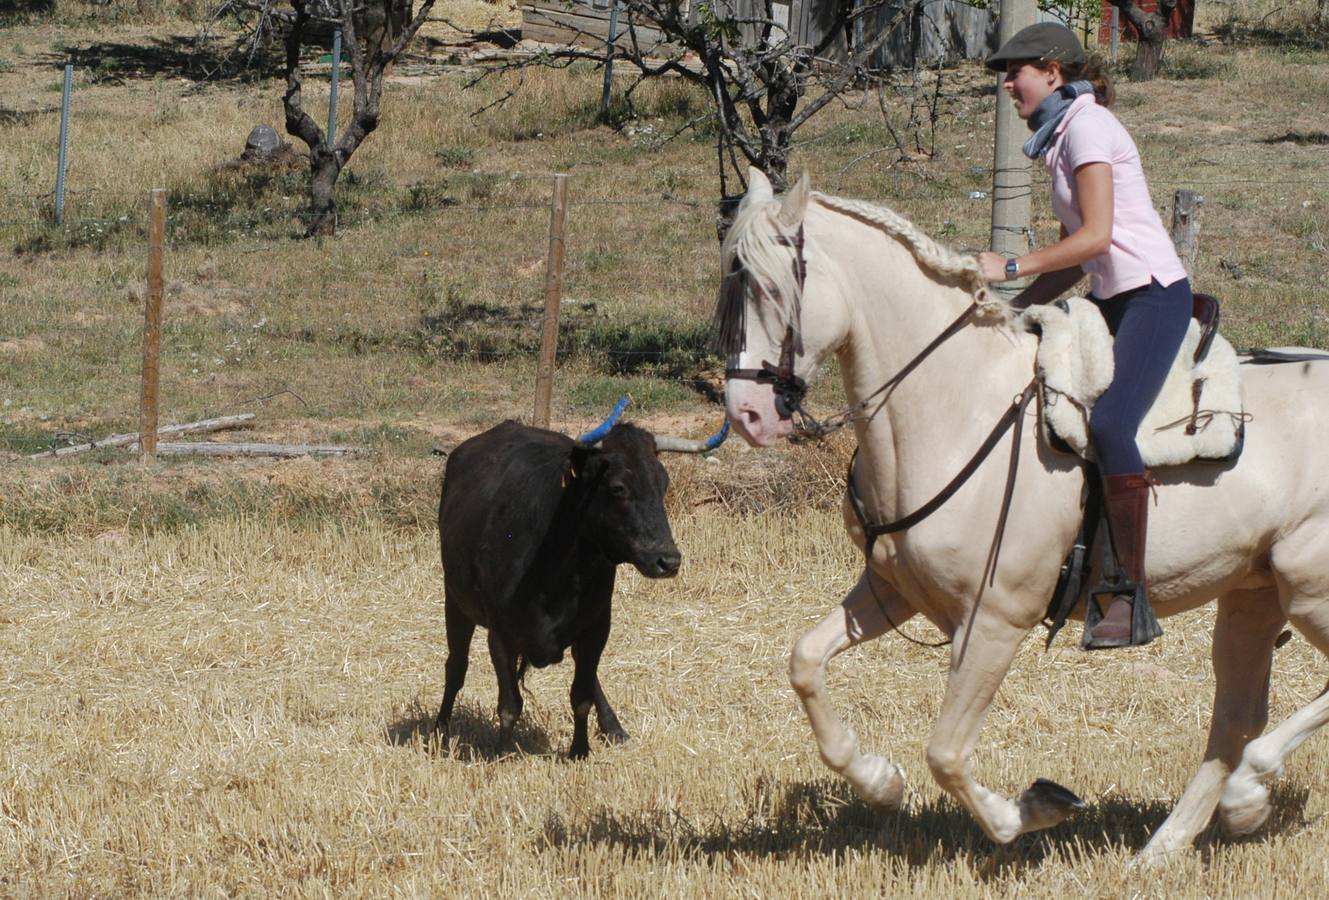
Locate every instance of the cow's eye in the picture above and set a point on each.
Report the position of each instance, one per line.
(618, 489)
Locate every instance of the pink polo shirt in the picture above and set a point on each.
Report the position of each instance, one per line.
(1141, 248)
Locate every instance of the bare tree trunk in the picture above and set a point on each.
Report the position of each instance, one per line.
(369, 58)
(323, 193)
(1149, 52)
(776, 131)
(1152, 31)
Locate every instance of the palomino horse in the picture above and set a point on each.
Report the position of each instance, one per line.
(815, 275)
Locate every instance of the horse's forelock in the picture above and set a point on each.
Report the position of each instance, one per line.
(759, 248)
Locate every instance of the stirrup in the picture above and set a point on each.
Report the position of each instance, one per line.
(1144, 624)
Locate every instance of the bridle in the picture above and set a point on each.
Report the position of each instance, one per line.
(791, 390)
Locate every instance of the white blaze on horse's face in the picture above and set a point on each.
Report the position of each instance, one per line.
(750, 405)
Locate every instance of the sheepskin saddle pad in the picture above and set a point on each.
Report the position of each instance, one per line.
(1198, 413)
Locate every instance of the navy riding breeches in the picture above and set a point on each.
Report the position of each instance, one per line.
(1148, 324)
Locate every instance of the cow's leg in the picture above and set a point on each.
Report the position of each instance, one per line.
(460, 629)
(980, 657)
(1247, 625)
(585, 693)
(1244, 806)
(509, 692)
(859, 617)
(606, 719)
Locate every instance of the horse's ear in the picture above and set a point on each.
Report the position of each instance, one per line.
(759, 187)
(795, 202)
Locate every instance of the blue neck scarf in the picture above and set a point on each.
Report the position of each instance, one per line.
(1043, 123)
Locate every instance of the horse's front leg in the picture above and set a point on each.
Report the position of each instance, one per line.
(980, 657)
(860, 617)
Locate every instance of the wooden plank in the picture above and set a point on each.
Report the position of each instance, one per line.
(815, 22)
(584, 27)
(950, 31)
(898, 51)
(556, 7)
(132, 439)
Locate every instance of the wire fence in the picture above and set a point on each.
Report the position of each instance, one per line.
(131, 209)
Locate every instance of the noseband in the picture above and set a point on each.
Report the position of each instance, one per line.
(790, 390)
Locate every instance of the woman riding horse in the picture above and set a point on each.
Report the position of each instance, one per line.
(1109, 229)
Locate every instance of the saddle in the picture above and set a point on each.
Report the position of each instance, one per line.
(1074, 365)
(1198, 414)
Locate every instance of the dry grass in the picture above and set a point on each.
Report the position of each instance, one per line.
(239, 709)
(445, 212)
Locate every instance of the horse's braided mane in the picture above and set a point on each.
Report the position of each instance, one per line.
(940, 259)
(760, 245)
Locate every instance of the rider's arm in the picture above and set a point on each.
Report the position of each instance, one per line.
(1093, 185)
(1048, 287)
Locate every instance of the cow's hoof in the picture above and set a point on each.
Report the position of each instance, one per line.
(1046, 803)
(615, 736)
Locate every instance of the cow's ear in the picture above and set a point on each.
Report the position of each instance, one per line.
(582, 461)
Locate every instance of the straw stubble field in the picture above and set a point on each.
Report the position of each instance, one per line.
(242, 709)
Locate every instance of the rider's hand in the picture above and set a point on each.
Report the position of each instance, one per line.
(992, 266)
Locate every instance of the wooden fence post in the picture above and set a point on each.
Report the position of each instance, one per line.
(152, 327)
(544, 373)
(1186, 228)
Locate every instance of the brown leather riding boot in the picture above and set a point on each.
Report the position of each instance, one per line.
(1126, 499)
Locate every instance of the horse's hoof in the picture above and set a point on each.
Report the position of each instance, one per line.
(1046, 803)
(1151, 860)
(878, 781)
(1248, 816)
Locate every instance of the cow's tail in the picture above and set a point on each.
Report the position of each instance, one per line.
(522, 665)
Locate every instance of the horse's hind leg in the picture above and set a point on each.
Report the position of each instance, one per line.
(1245, 803)
(1247, 625)
(860, 617)
(980, 657)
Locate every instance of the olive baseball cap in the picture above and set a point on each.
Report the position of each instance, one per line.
(1042, 41)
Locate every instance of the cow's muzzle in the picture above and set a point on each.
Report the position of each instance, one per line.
(662, 563)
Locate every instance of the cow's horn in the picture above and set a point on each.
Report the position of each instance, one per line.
(596, 434)
(666, 444)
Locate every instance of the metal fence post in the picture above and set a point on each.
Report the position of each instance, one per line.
(609, 60)
(332, 95)
(64, 145)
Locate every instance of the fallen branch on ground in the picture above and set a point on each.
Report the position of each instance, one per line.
(131, 440)
(279, 451)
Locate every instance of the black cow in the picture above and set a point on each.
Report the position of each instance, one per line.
(532, 526)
